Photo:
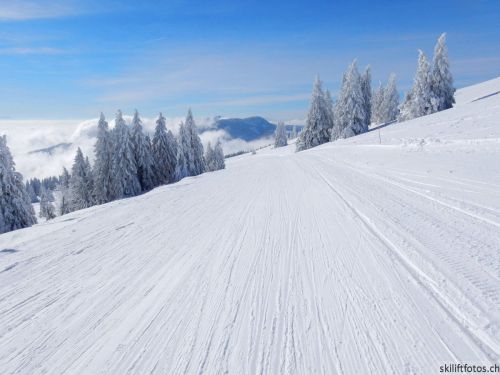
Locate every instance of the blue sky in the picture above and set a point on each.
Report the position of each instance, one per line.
(72, 59)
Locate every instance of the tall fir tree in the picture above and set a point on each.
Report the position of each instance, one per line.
(80, 183)
(16, 211)
(219, 156)
(64, 205)
(377, 99)
(195, 159)
(124, 168)
(149, 144)
(210, 158)
(90, 180)
(441, 78)
(181, 166)
(164, 148)
(318, 123)
(350, 109)
(142, 154)
(280, 138)
(331, 112)
(366, 89)
(420, 101)
(424, 102)
(103, 150)
(390, 101)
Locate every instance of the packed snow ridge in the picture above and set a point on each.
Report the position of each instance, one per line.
(369, 255)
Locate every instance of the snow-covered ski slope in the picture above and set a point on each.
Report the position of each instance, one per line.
(378, 254)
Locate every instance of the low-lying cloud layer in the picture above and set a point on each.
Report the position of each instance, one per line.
(26, 136)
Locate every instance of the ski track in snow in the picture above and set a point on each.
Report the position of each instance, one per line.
(351, 258)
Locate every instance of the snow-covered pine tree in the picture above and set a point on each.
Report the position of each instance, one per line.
(172, 156)
(124, 168)
(318, 123)
(47, 210)
(64, 178)
(185, 140)
(441, 78)
(90, 181)
(142, 154)
(366, 89)
(424, 102)
(164, 148)
(103, 150)
(64, 204)
(150, 156)
(210, 158)
(377, 98)
(294, 132)
(390, 101)
(219, 156)
(350, 109)
(16, 211)
(331, 111)
(31, 193)
(80, 183)
(420, 101)
(280, 135)
(181, 166)
(196, 162)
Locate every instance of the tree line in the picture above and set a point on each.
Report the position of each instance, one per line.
(127, 162)
(35, 185)
(357, 106)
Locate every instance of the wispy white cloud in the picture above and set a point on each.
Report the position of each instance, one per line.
(259, 100)
(214, 78)
(31, 51)
(19, 10)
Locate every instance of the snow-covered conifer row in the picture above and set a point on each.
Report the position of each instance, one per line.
(128, 163)
(432, 89)
(214, 157)
(357, 106)
(385, 102)
(16, 211)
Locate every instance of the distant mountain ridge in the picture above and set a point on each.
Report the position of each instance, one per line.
(250, 128)
(50, 150)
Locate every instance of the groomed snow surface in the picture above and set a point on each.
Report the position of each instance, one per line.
(373, 255)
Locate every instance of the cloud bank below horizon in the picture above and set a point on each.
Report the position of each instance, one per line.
(26, 136)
